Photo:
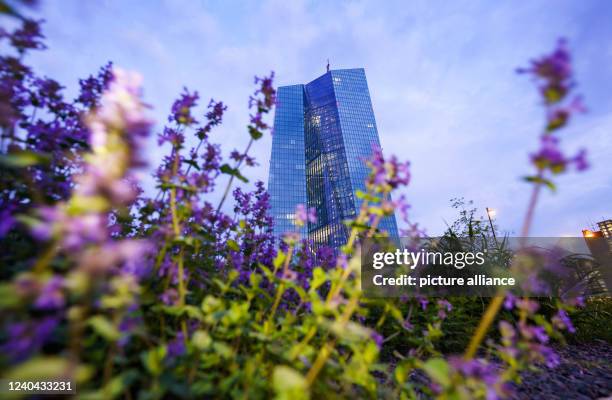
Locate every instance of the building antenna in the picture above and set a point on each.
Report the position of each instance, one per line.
(328, 65)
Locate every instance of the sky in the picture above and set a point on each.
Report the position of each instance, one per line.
(441, 76)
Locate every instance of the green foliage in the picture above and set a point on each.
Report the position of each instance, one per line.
(593, 321)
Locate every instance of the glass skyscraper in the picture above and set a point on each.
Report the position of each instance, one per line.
(323, 133)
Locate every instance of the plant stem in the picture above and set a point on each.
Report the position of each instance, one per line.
(281, 287)
(349, 246)
(497, 301)
(531, 208)
(45, 259)
(327, 349)
(483, 326)
(229, 184)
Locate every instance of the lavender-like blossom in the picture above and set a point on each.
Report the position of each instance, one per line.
(304, 215)
(29, 36)
(443, 307)
(550, 157)
(169, 297)
(51, 296)
(377, 338)
(554, 72)
(181, 109)
(509, 301)
(7, 221)
(423, 302)
(25, 338)
(176, 347)
(563, 321)
(93, 87)
(389, 174)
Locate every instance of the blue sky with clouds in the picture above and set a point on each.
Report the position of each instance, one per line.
(441, 76)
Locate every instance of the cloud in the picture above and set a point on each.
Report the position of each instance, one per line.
(441, 78)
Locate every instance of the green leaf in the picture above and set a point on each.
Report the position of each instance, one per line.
(223, 350)
(367, 196)
(226, 169)
(357, 225)
(114, 388)
(539, 180)
(81, 204)
(438, 370)
(103, 327)
(8, 296)
(279, 260)
(5, 8)
(192, 163)
(153, 360)
(39, 368)
(211, 304)
(24, 158)
(318, 278)
(233, 245)
(255, 133)
(289, 383)
(201, 340)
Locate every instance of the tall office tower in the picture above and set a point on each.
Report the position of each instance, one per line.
(324, 132)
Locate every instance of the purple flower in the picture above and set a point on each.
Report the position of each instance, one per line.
(549, 156)
(580, 160)
(507, 330)
(132, 255)
(554, 71)
(509, 301)
(214, 117)
(377, 338)
(563, 321)
(181, 109)
(169, 297)
(387, 175)
(423, 302)
(51, 296)
(172, 136)
(176, 347)
(531, 332)
(304, 215)
(443, 307)
(531, 306)
(540, 333)
(126, 326)
(6, 220)
(407, 325)
(169, 268)
(551, 358)
(475, 368)
(28, 36)
(25, 338)
(74, 231)
(93, 87)
(263, 100)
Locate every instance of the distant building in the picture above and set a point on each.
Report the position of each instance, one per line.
(600, 245)
(323, 133)
(605, 227)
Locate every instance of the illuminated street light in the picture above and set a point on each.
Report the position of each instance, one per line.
(491, 214)
(587, 233)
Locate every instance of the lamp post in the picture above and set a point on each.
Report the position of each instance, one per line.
(491, 214)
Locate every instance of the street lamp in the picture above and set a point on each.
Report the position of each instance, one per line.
(491, 214)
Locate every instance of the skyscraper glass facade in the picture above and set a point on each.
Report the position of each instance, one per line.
(334, 115)
(287, 178)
